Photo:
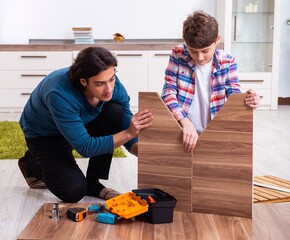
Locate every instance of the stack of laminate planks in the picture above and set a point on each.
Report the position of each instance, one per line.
(271, 189)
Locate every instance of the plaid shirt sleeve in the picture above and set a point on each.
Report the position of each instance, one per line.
(232, 80)
(170, 89)
(225, 81)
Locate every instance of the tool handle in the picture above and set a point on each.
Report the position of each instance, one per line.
(107, 218)
(151, 199)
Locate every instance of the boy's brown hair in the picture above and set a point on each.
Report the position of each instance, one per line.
(200, 30)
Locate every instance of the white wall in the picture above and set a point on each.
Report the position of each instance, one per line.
(21, 20)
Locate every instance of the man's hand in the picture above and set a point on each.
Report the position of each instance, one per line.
(252, 99)
(190, 135)
(139, 121)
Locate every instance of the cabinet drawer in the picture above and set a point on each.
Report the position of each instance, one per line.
(255, 84)
(255, 80)
(14, 98)
(21, 79)
(34, 60)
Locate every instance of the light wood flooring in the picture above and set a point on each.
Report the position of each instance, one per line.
(19, 203)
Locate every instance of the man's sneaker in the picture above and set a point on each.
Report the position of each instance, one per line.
(108, 193)
(31, 181)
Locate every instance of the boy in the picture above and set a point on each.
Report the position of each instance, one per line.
(199, 78)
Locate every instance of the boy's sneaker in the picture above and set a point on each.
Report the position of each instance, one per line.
(31, 181)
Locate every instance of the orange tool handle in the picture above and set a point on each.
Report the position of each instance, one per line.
(151, 200)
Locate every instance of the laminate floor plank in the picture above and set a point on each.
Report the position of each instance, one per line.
(270, 221)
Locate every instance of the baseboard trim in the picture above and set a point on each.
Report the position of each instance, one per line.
(283, 101)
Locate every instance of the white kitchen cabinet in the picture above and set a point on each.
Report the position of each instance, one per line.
(251, 34)
(132, 72)
(74, 55)
(261, 82)
(20, 72)
(157, 63)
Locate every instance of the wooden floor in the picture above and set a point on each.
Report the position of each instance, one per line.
(267, 223)
(20, 204)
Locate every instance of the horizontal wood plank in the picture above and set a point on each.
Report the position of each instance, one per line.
(165, 170)
(222, 202)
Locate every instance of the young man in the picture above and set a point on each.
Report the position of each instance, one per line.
(199, 78)
(86, 108)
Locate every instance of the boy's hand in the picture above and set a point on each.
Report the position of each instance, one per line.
(252, 99)
(190, 135)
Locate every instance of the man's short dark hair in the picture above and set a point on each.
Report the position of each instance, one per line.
(200, 30)
(90, 62)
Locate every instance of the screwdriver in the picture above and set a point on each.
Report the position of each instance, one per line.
(108, 218)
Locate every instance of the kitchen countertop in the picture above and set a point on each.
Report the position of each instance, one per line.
(110, 44)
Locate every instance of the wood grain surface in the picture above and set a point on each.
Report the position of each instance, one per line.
(222, 162)
(217, 177)
(268, 195)
(270, 221)
(162, 161)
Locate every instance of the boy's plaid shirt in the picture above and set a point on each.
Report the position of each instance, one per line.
(179, 86)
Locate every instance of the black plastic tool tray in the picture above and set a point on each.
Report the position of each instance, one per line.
(162, 210)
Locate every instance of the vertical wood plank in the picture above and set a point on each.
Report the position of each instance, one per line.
(222, 162)
(162, 161)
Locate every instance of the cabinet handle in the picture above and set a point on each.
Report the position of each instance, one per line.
(161, 54)
(33, 75)
(252, 81)
(235, 27)
(31, 56)
(25, 94)
(129, 55)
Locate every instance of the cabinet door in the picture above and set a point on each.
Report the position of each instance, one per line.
(13, 100)
(132, 72)
(157, 63)
(251, 32)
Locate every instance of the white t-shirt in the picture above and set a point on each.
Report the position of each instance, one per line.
(199, 111)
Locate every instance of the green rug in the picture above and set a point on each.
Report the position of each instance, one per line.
(13, 146)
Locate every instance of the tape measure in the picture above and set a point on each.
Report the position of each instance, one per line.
(77, 214)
